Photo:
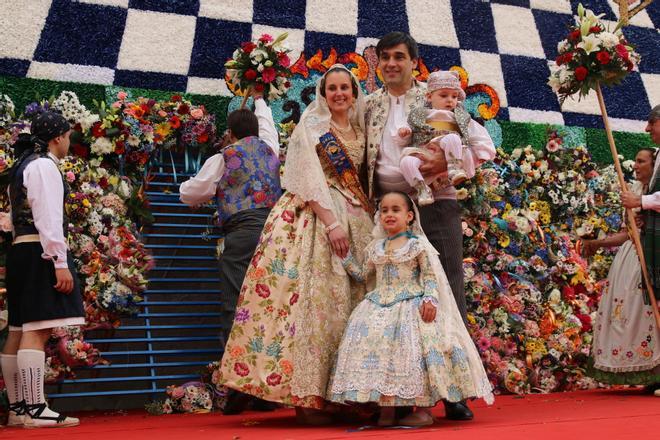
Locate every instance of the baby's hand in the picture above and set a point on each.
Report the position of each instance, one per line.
(404, 132)
(428, 311)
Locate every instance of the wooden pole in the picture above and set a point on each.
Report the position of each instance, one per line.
(248, 92)
(625, 14)
(634, 232)
(244, 101)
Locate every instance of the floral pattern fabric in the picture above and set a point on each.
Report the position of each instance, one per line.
(295, 300)
(251, 178)
(388, 354)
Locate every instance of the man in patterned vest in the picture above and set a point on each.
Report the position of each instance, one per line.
(245, 180)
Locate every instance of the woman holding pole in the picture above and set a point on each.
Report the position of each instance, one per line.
(625, 348)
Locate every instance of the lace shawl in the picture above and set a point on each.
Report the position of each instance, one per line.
(303, 173)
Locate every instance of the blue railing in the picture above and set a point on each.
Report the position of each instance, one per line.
(177, 331)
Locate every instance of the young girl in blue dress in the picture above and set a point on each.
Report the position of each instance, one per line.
(405, 344)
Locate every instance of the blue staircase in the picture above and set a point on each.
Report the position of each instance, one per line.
(177, 332)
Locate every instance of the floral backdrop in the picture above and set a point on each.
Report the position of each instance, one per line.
(532, 296)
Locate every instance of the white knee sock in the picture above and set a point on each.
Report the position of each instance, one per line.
(9, 368)
(31, 364)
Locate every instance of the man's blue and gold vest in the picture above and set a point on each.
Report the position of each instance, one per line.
(251, 179)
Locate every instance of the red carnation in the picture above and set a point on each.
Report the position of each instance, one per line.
(273, 379)
(585, 320)
(80, 150)
(103, 183)
(259, 87)
(203, 138)
(241, 369)
(119, 147)
(97, 130)
(268, 75)
(250, 74)
(575, 35)
(621, 51)
(176, 98)
(183, 109)
(248, 47)
(263, 290)
(283, 59)
(581, 73)
(568, 293)
(175, 122)
(265, 38)
(603, 57)
(595, 29)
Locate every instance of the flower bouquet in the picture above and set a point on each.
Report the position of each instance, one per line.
(263, 66)
(591, 54)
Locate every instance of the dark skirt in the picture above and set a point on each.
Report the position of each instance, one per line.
(242, 233)
(31, 295)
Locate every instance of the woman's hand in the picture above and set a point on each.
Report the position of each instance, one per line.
(589, 247)
(339, 241)
(630, 200)
(428, 311)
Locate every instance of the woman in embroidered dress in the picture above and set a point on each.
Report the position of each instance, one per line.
(296, 296)
(405, 344)
(625, 348)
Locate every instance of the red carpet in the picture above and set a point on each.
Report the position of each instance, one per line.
(611, 414)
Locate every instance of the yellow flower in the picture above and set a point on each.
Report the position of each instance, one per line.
(163, 129)
(113, 180)
(86, 203)
(504, 241)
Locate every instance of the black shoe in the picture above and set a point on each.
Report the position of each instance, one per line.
(457, 411)
(236, 403)
(650, 389)
(263, 405)
(402, 411)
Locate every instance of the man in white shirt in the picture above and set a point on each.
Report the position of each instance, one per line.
(387, 111)
(42, 289)
(245, 180)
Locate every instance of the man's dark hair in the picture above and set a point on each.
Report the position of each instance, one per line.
(243, 123)
(394, 39)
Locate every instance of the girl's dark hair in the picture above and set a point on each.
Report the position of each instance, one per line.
(409, 202)
(350, 77)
